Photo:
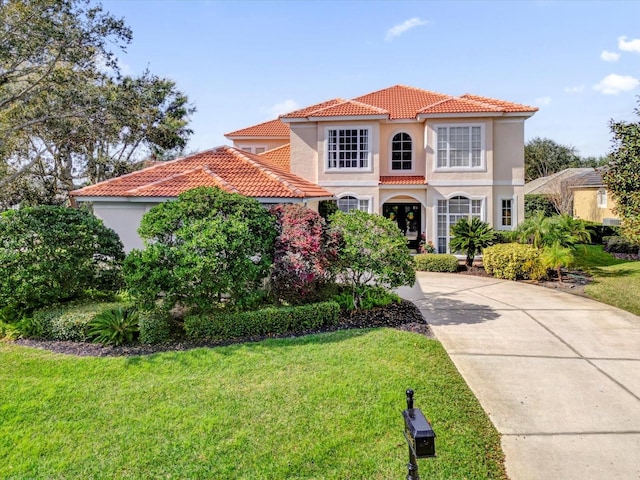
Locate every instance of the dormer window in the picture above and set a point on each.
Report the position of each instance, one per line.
(348, 148)
(401, 152)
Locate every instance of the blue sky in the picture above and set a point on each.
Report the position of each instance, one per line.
(245, 62)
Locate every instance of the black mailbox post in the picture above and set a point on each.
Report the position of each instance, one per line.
(420, 437)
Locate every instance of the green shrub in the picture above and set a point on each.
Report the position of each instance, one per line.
(69, 322)
(535, 202)
(436, 262)
(155, 326)
(621, 245)
(53, 254)
(600, 233)
(506, 236)
(377, 297)
(261, 322)
(115, 326)
(514, 261)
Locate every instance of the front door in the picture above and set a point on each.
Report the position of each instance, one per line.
(407, 217)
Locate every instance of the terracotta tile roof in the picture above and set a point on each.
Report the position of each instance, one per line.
(348, 108)
(272, 128)
(403, 102)
(226, 167)
(304, 112)
(280, 156)
(501, 104)
(403, 180)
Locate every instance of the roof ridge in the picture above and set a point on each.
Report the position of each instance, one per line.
(164, 179)
(268, 171)
(219, 179)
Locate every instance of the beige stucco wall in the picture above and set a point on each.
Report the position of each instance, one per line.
(508, 151)
(304, 149)
(585, 205)
(416, 131)
(268, 144)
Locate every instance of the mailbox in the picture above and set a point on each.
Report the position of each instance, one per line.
(419, 434)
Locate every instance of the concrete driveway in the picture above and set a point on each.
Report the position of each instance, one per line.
(558, 374)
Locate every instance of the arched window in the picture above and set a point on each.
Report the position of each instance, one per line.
(401, 152)
(348, 203)
(449, 212)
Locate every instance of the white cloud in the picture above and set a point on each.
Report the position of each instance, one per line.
(543, 101)
(576, 89)
(614, 84)
(609, 56)
(630, 46)
(282, 108)
(401, 28)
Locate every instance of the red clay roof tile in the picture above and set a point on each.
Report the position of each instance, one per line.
(272, 128)
(280, 156)
(403, 180)
(224, 167)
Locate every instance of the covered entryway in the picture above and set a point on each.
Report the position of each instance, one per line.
(408, 217)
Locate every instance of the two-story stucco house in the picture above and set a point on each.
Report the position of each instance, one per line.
(422, 158)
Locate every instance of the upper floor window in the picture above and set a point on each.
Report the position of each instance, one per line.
(602, 198)
(401, 152)
(459, 146)
(348, 148)
(349, 203)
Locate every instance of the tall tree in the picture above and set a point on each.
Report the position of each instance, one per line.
(67, 116)
(622, 176)
(543, 157)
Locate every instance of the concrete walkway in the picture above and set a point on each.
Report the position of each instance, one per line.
(558, 374)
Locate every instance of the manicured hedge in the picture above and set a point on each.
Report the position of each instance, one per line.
(621, 245)
(513, 261)
(155, 326)
(261, 322)
(436, 262)
(67, 322)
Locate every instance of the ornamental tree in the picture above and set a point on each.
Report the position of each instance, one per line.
(373, 251)
(54, 254)
(622, 176)
(203, 250)
(305, 253)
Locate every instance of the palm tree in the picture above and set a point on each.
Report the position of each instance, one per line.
(556, 256)
(470, 237)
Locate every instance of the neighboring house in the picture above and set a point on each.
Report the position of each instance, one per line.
(591, 200)
(121, 202)
(424, 159)
(556, 187)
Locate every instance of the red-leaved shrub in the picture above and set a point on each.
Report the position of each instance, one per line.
(305, 253)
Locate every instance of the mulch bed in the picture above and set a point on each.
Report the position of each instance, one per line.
(403, 316)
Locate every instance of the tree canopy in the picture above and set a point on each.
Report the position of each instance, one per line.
(622, 175)
(67, 115)
(543, 157)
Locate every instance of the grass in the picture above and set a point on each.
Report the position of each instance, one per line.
(325, 406)
(615, 282)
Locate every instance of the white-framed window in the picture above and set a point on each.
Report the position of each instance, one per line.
(460, 146)
(349, 148)
(601, 198)
(401, 152)
(349, 203)
(253, 148)
(449, 212)
(507, 216)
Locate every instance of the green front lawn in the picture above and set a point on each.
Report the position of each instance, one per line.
(324, 406)
(615, 282)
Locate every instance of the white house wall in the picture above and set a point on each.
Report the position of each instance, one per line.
(124, 219)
